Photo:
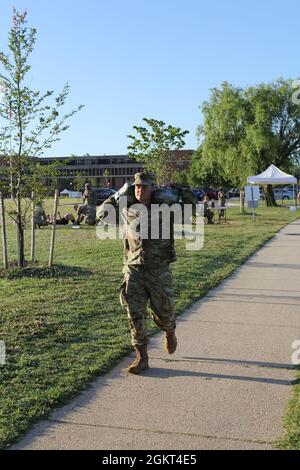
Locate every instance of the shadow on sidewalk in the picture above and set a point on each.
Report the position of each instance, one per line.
(255, 264)
(161, 373)
(271, 365)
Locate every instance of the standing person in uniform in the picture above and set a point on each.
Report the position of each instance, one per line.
(89, 195)
(222, 202)
(147, 276)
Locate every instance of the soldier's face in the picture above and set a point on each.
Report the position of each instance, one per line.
(143, 193)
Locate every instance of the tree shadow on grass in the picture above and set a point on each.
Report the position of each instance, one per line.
(58, 271)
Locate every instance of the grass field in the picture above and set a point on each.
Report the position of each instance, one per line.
(64, 326)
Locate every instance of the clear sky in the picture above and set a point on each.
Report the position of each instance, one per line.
(129, 59)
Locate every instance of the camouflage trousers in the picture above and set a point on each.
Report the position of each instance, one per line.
(141, 286)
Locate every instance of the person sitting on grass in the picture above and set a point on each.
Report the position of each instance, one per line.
(87, 212)
(61, 220)
(40, 218)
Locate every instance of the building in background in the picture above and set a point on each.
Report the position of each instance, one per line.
(105, 170)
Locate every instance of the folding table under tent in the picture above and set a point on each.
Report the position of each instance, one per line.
(273, 175)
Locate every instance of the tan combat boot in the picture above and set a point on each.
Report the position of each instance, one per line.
(141, 361)
(170, 342)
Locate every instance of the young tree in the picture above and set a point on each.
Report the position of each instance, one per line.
(30, 126)
(78, 182)
(154, 147)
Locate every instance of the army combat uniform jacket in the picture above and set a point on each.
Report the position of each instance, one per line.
(90, 197)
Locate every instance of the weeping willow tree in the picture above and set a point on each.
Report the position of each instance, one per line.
(245, 130)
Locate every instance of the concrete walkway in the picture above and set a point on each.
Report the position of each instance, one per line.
(226, 386)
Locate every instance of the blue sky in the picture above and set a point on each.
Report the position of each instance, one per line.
(130, 59)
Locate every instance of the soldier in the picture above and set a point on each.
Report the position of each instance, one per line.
(222, 202)
(207, 212)
(39, 218)
(147, 276)
(84, 210)
(89, 195)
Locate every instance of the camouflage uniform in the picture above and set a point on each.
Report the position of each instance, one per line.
(89, 212)
(222, 202)
(39, 218)
(147, 276)
(90, 197)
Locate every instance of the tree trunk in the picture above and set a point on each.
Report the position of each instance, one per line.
(2, 223)
(242, 201)
(20, 235)
(20, 240)
(269, 196)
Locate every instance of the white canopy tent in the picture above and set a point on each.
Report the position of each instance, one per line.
(273, 175)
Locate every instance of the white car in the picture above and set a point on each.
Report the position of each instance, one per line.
(283, 194)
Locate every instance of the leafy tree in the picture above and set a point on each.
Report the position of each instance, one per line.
(154, 146)
(275, 132)
(201, 175)
(30, 126)
(79, 182)
(180, 177)
(225, 144)
(245, 131)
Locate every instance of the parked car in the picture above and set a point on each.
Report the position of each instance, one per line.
(199, 193)
(103, 193)
(234, 192)
(283, 194)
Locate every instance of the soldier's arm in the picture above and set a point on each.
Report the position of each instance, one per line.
(102, 210)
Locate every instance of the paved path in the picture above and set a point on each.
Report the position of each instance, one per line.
(226, 386)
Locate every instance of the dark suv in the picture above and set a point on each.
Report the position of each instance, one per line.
(199, 193)
(103, 193)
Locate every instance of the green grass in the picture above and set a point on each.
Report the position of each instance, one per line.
(290, 439)
(64, 326)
